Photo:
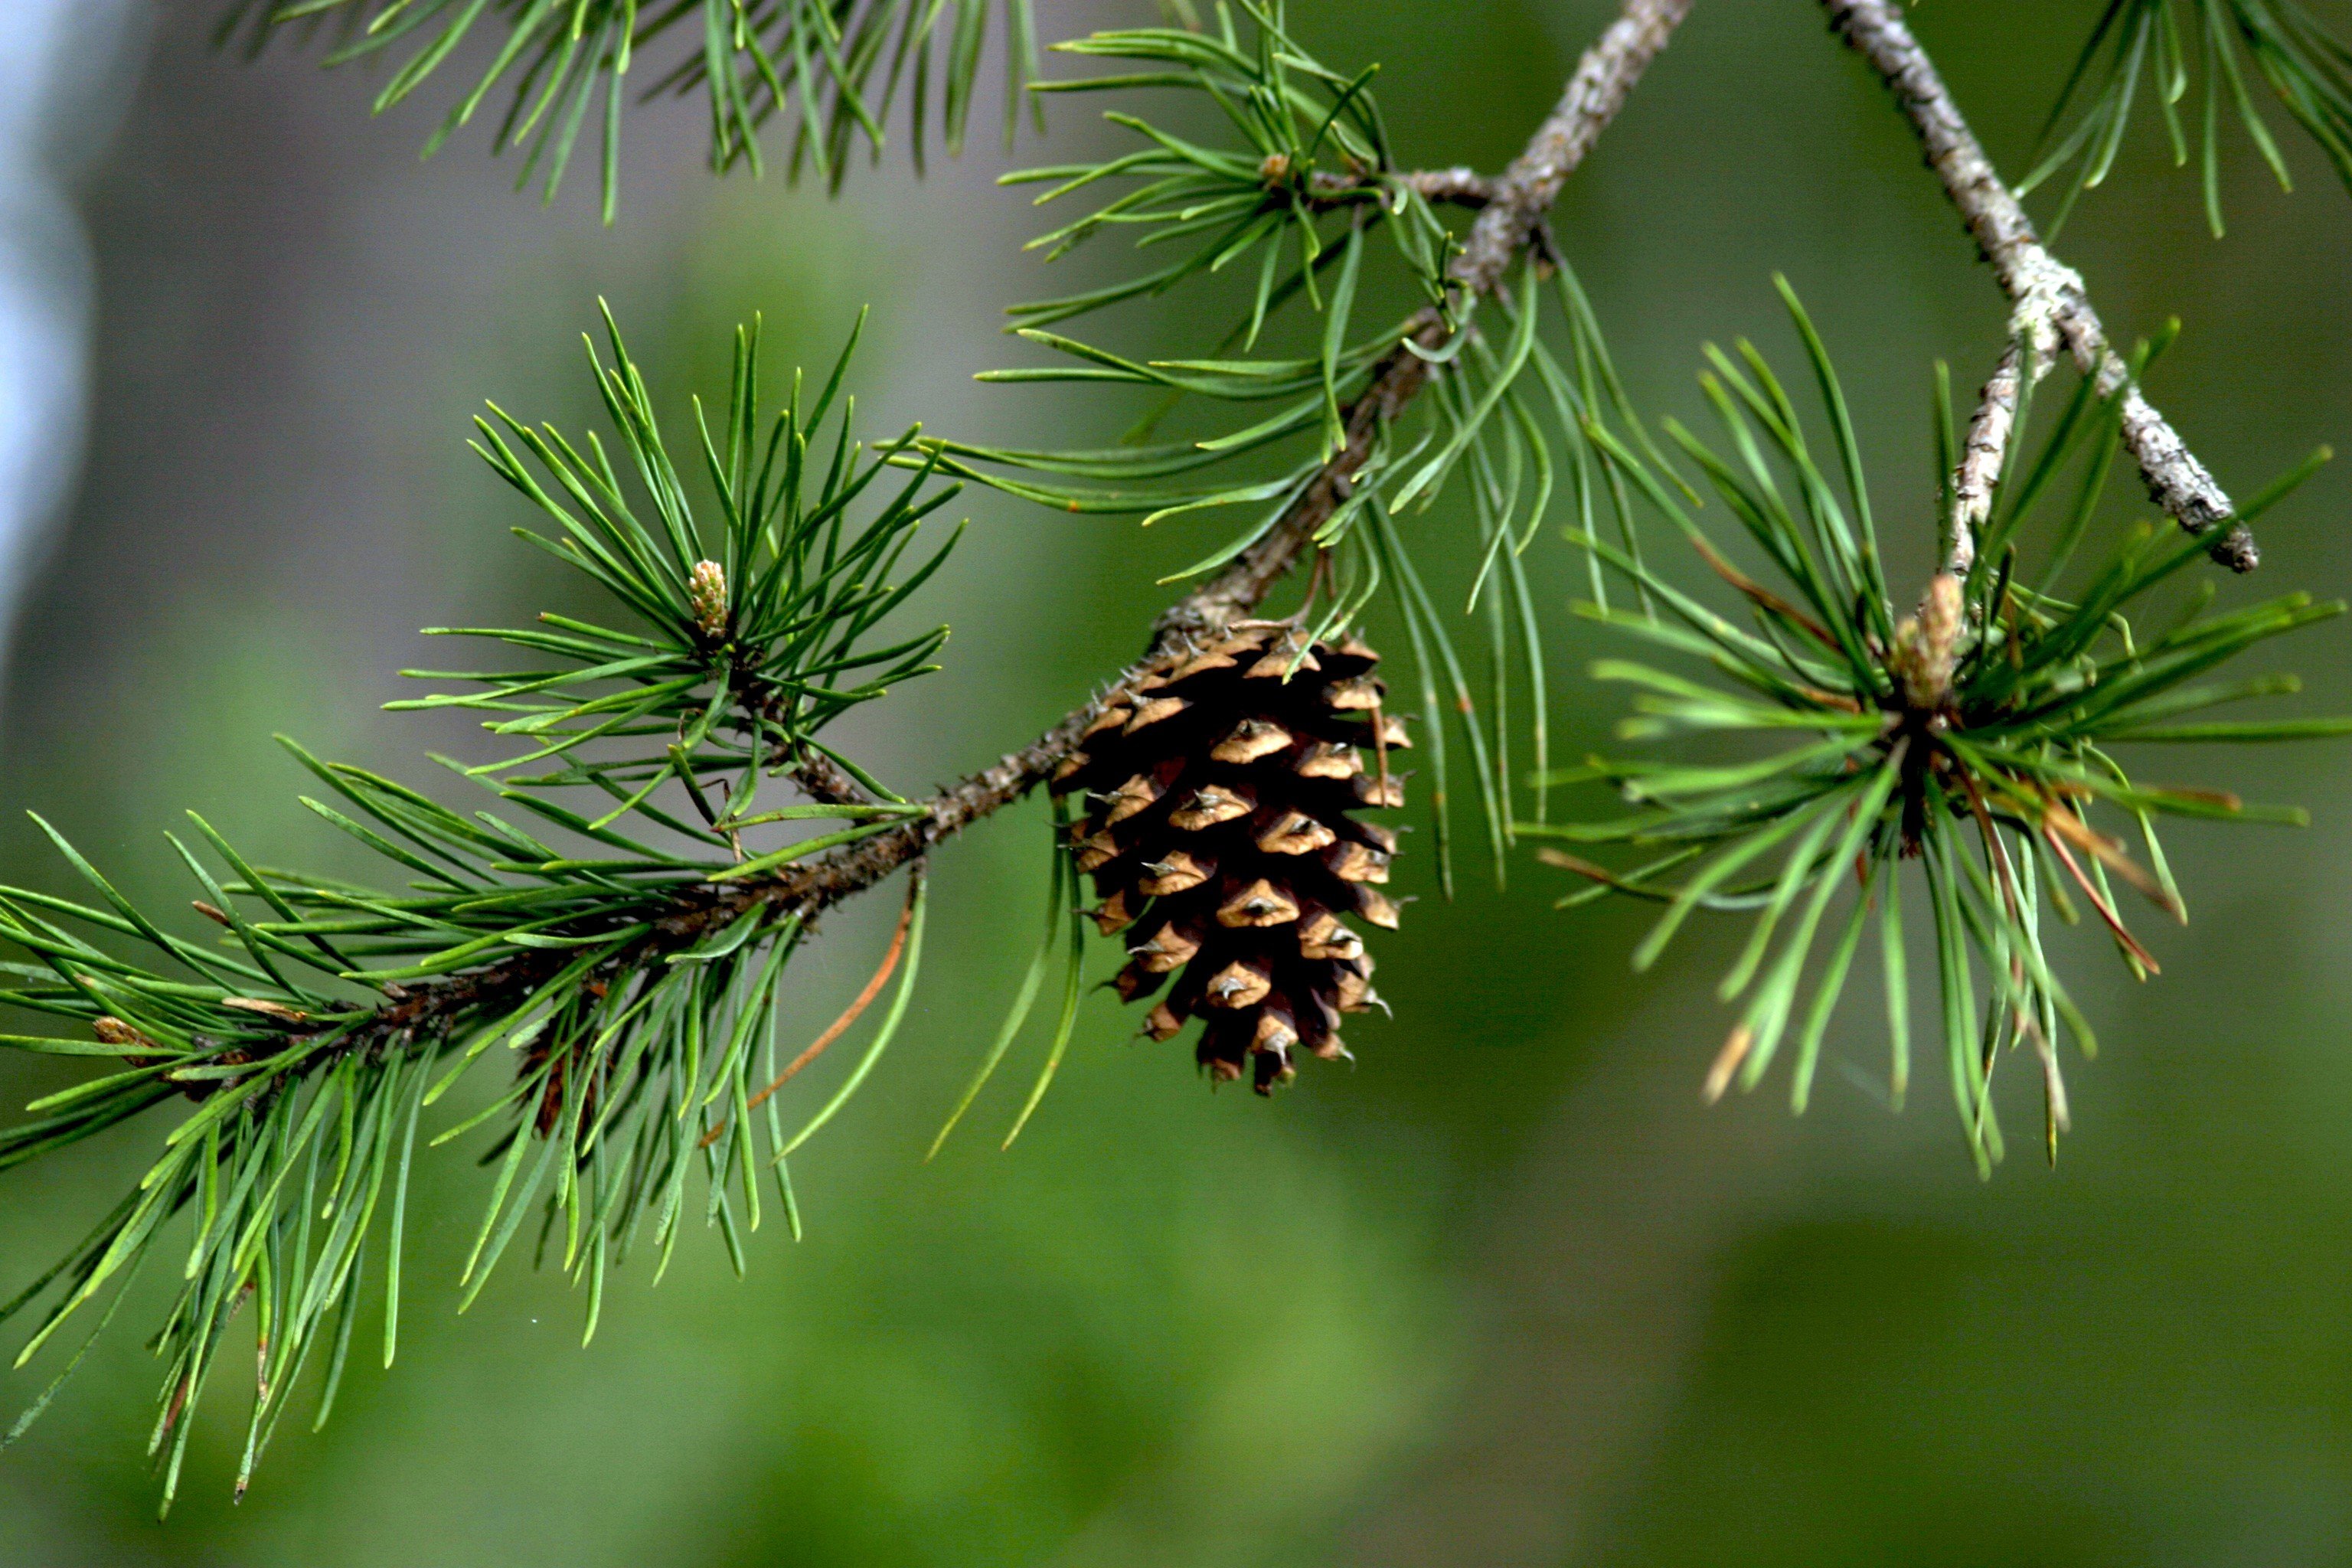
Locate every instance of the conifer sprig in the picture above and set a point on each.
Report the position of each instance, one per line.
(613, 933)
(763, 641)
(2154, 50)
(834, 70)
(1290, 204)
(1978, 734)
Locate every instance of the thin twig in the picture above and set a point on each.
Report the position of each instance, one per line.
(1457, 186)
(1462, 187)
(1603, 78)
(2049, 299)
(1987, 449)
(823, 779)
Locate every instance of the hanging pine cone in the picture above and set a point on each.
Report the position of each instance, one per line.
(1217, 828)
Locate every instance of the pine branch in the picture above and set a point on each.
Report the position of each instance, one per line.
(1596, 92)
(1461, 186)
(1981, 457)
(823, 779)
(632, 973)
(1346, 468)
(636, 984)
(2049, 299)
(1604, 77)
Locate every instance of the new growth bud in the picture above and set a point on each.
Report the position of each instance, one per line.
(706, 595)
(1927, 644)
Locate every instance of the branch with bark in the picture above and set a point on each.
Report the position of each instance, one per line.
(1982, 452)
(2050, 304)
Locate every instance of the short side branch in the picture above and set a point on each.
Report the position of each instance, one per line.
(1463, 187)
(2049, 299)
(1457, 186)
(1981, 458)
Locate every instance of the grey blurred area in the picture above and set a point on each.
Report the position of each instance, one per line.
(66, 71)
(1504, 1293)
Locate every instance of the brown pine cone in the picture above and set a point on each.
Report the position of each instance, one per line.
(1219, 829)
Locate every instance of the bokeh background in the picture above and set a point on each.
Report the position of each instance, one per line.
(1506, 1292)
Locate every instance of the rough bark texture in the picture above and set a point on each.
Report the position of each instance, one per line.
(1980, 459)
(2049, 297)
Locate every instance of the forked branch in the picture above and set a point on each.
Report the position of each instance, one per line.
(2050, 304)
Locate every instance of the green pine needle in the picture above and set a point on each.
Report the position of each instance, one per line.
(2153, 51)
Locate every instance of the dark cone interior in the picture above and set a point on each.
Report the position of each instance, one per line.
(1219, 826)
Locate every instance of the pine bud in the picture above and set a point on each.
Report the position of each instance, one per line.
(1926, 645)
(706, 595)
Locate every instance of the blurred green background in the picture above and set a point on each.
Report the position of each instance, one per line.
(1504, 1293)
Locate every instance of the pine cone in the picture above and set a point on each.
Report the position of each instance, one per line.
(1218, 830)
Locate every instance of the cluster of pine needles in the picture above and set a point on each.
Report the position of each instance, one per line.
(1978, 735)
(2141, 51)
(835, 70)
(596, 927)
